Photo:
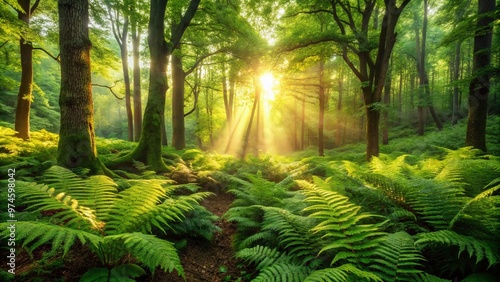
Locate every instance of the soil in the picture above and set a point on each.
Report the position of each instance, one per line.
(209, 261)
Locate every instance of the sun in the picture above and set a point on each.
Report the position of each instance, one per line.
(268, 82)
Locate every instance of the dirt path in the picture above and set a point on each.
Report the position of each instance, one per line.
(204, 261)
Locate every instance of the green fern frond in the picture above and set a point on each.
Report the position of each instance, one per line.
(134, 204)
(293, 232)
(397, 258)
(35, 234)
(426, 277)
(96, 192)
(436, 202)
(64, 180)
(399, 214)
(151, 251)
(474, 247)
(146, 204)
(260, 255)
(66, 209)
(340, 222)
(283, 272)
(259, 238)
(173, 209)
(343, 273)
(488, 212)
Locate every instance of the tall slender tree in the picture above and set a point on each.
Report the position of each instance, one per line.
(149, 148)
(479, 87)
(371, 71)
(120, 32)
(24, 96)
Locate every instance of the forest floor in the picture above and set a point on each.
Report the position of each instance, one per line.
(209, 261)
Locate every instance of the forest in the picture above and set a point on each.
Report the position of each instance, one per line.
(250, 140)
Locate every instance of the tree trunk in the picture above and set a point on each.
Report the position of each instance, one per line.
(77, 146)
(136, 40)
(387, 99)
(322, 100)
(150, 144)
(424, 92)
(479, 87)
(178, 127)
(149, 148)
(24, 96)
(338, 135)
(456, 89)
(126, 80)
(248, 132)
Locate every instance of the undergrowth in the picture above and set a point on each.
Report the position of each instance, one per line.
(404, 218)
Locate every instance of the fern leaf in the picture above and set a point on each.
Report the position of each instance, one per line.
(345, 272)
(151, 251)
(492, 188)
(339, 221)
(283, 272)
(68, 211)
(135, 204)
(35, 234)
(474, 247)
(397, 259)
(263, 256)
(293, 231)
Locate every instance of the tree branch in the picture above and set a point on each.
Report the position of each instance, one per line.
(185, 21)
(200, 60)
(35, 5)
(3, 44)
(57, 59)
(110, 89)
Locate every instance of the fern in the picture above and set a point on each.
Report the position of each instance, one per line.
(96, 192)
(33, 234)
(343, 273)
(274, 265)
(293, 232)
(65, 209)
(397, 258)
(352, 242)
(134, 206)
(71, 204)
(474, 247)
(149, 250)
(487, 208)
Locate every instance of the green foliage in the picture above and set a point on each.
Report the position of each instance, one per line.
(29, 155)
(403, 218)
(351, 242)
(109, 222)
(124, 272)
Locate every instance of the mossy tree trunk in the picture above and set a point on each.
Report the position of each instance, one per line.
(150, 144)
(136, 41)
(77, 146)
(22, 122)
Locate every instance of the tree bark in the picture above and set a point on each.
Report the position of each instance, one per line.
(178, 126)
(24, 96)
(150, 144)
(136, 39)
(122, 42)
(149, 148)
(322, 100)
(479, 87)
(77, 146)
(387, 100)
(371, 73)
